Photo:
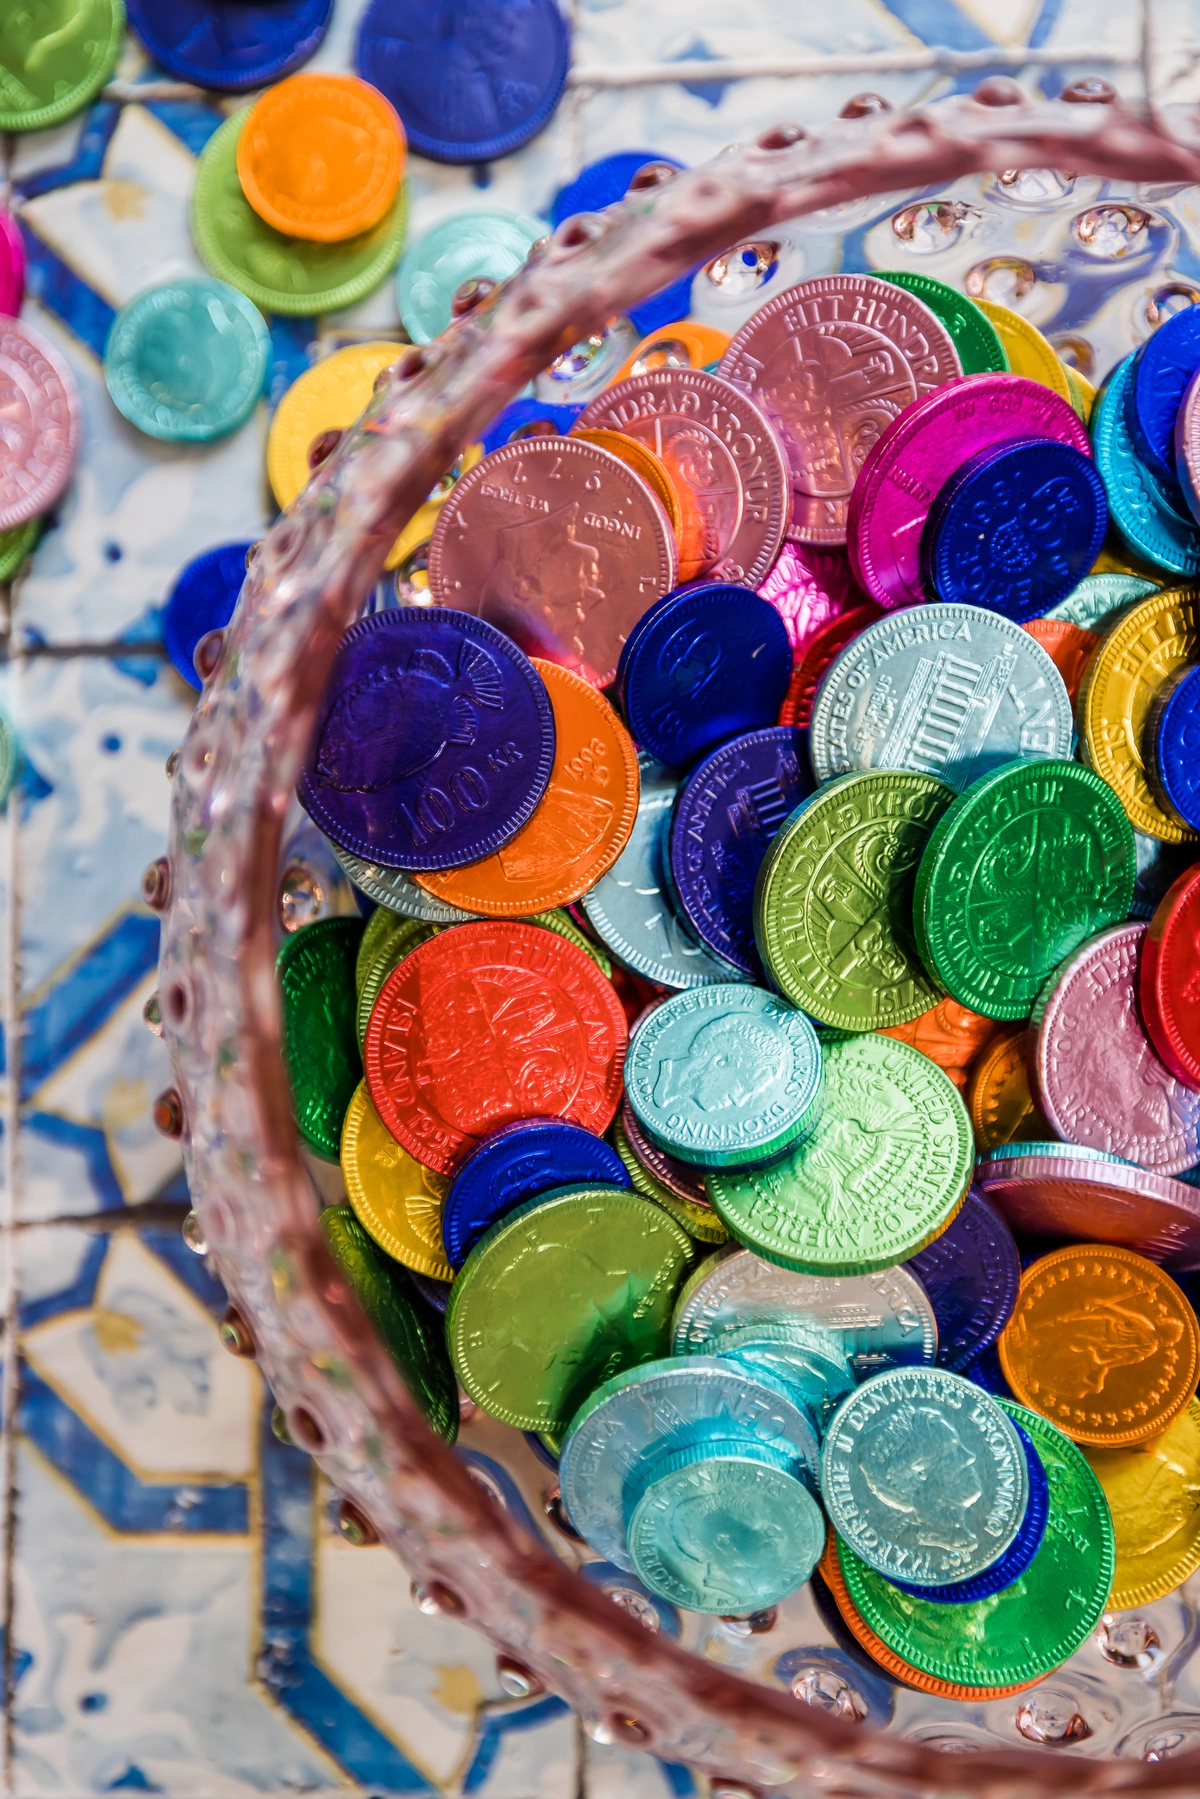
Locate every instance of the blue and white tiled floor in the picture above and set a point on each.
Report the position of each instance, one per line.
(181, 1616)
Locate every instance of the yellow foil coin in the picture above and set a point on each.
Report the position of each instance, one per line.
(1123, 678)
(1153, 1492)
(1083, 394)
(397, 1201)
(1027, 350)
(999, 1099)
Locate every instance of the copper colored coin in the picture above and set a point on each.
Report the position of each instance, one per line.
(1169, 978)
(1060, 1191)
(819, 652)
(1098, 1077)
(831, 1573)
(1102, 1343)
(809, 588)
(677, 1177)
(725, 463)
(1002, 1107)
(580, 825)
(832, 362)
(42, 424)
(486, 1024)
(1068, 646)
(949, 1034)
(559, 545)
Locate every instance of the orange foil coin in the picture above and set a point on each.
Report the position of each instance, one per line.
(683, 345)
(949, 1034)
(320, 157)
(1102, 1343)
(831, 1573)
(1068, 646)
(581, 824)
(643, 462)
(486, 1024)
(999, 1097)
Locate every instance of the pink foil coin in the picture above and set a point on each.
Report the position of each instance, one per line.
(39, 407)
(810, 587)
(1049, 1195)
(12, 265)
(1099, 1080)
(916, 456)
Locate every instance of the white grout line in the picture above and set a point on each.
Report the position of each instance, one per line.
(10, 1385)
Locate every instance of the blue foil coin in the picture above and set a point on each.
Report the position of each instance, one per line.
(971, 1273)
(728, 811)
(230, 45)
(433, 741)
(202, 600)
(526, 418)
(1016, 528)
(434, 1293)
(1175, 736)
(1162, 369)
(516, 1163)
(603, 183)
(1020, 1552)
(705, 663)
(471, 79)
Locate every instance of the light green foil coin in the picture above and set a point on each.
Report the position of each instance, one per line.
(16, 545)
(406, 1330)
(725, 1528)
(1029, 862)
(185, 361)
(54, 58)
(380, 924)
(883, 1173)
(399, 942)
(1098, 598)
(283, 274)
(563, 925)
(469, 246)
(559, 1296)
(833, 904)
(700, 1222)
(1030, 1627)
(975, 337)
(316, 980)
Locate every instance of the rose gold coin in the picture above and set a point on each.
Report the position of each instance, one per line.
(1099, 1080)
(832, 362)
(1047, 1195)
(1002, 1107)
(724, 459)
(580, 825)
(557, 544)
(42, 427)
(809, 588)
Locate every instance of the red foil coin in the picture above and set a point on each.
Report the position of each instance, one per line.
(486, 1024)
(1068, 646)
(1169, 979)
(819, 652)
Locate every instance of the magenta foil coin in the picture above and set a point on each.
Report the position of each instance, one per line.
(12, 265)
(39, 404)
(1099, 1080)
(1053, 1191)
(1187, 446)
(917, 455)
(809, 588)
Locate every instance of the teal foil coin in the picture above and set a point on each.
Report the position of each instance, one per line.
(924, 1476)
(809, 1362)
(1098, 598)
(1148, 517)
(725, 1530)
(185, 361)
(470, 246)
(726, 1076)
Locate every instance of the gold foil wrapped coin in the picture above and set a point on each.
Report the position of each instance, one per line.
(397, 1201)
(1153, 1492)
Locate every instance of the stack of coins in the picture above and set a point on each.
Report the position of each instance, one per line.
(769, 1077)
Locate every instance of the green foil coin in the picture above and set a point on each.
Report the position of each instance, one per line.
(724, 1076)
(402, 1323)
(185, 361)
(282, 274)
(725, 1528)
(975, 337)
(16, 545)
(1098, 598)
(883, 1173)
(1029, 862)
(1030, 1627)
(55, 58)
(380, 925)
(316, 979)
(561, 1295)
(833, 905)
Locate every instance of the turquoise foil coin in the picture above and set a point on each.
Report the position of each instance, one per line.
(471, 246)
(1095, 603)
(726, 1076)
(924, 1476)
(185, 361)
(725, 1530)
(1152, 521)
(810, 1363)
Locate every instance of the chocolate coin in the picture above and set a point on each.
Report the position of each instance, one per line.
(971, 1274)
(1098, 598)
(1062, 1190)
(1028, 352)
(1172, 746)
(1168, 983)
(399, 942)
(975, 337)
(396, 1199)
(43, 425)
(817, 655)
(1162, 371)
(515, 1164)
(999, 1099)
(315, 966)
(809, 588)
(697, 1217)
(808, 1361)
(683, 1179)
(1068, 646)
(393, 888)
(949, 1034)
(1151, 516)
(1153, 1493)
(1020, 1552)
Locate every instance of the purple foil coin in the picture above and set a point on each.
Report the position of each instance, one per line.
(1100, 1083)
(12, 265)
(810, 587)
(916, 455)
(433, 741)
(971, 1274)
(728, 811)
